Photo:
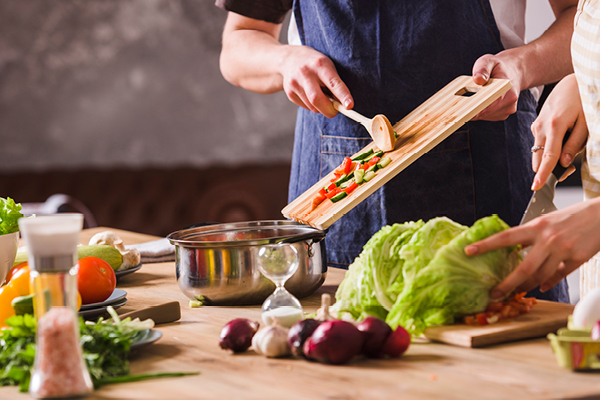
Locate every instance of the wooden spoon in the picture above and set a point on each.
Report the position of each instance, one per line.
(379, 127)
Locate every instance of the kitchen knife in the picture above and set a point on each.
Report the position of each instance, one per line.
(542, 201)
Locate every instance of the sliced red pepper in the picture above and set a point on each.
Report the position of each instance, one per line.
(323, 192)
(351, 187)
(318, 199)
(481, 319)
(347, 165)
(333, 192)
(331, 188)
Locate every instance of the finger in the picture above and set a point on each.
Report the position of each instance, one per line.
(313, 95)
(509, 237)
(332, 81)
(482, 69)
(297, 99)
(549, 158)
(561, 272)
(568, 173)
(524, 272)
(575, 143)
(544, 273)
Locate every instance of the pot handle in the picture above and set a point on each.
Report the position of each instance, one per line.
(316, 237)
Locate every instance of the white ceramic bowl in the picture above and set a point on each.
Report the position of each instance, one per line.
(8, 251)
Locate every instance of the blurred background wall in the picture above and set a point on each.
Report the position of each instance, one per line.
(121, 105)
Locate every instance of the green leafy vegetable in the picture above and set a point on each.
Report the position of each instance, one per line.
(453, 284)
(106, 346)
(10, 212)
(416, 274)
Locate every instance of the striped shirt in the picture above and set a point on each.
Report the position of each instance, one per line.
(585, 51)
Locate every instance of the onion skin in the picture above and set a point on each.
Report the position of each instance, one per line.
(237, 335)
(397, 343)
(334, 342)
(375, 332)
(298, 334)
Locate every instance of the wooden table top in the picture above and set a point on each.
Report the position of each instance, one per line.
(523, 370)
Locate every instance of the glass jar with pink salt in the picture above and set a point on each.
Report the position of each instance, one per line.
(59, 370)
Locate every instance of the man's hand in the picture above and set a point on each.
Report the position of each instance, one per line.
(305, 73)
(500, 66)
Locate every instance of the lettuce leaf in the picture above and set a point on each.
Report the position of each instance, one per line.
(453, 284)
(364, 290)
(9, 215)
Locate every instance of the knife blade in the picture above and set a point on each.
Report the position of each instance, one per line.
(542, 201)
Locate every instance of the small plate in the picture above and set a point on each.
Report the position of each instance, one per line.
(97, 312)
(117, 295)
(144, 338)
(128, 271)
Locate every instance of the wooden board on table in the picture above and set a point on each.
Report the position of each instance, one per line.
(544, 317)
(418, 132)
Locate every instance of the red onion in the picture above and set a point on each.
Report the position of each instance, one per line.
(237, 335)
(375, 332)
(298, 334)
(596, 331)
(397, 343)
(334, 342)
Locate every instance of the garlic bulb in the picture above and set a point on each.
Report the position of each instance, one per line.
(271, 341)
(131, 257)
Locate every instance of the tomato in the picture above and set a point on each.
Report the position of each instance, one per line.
(331, 188)
(96, 280)
(333, 192)
(323, 192)
(14, 270)
(347, 165)
(351, 187)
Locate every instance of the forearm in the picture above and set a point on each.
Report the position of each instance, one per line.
(548, 58)
(251, 58)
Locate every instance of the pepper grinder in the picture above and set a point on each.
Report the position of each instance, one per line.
(59, 368)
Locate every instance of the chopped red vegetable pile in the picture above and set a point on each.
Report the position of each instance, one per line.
(500, 310)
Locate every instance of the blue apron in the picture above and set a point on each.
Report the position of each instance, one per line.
(393, 55)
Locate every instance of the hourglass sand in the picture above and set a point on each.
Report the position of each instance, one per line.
(278, 262)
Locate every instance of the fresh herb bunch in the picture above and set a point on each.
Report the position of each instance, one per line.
(17, 345)
(106, 347)
(10, 212)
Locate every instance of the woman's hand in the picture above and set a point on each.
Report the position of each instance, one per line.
(561, 112)
(560, 242)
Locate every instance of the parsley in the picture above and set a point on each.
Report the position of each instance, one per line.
(106, 348)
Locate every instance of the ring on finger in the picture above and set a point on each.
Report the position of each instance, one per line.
(536, 148)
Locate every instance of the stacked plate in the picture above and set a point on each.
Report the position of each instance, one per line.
(117, 299)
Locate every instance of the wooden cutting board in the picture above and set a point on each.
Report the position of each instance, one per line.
(418, 132)
(544, 317)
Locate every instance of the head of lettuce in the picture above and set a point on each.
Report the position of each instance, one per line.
(10, 212)
(417, 274)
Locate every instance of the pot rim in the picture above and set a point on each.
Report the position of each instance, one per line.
(188, 237)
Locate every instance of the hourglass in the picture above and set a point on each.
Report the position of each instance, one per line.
(278, 262)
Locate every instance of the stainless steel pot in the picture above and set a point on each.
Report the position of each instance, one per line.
(217, 264)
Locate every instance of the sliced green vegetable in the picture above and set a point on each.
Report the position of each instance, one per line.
(339, 196)
(359, 174)
(377, 154)
(369, 175)
(384, 162)
(344, 178)
(362, 156)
